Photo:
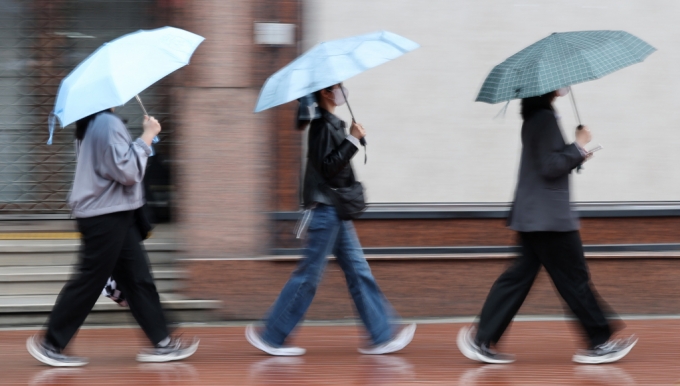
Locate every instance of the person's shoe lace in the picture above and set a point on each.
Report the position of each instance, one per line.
(488, 351)
(611, 345)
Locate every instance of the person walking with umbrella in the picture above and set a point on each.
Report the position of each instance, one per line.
(107, 194)
(107, 191)
(541, 212)
(329, 152)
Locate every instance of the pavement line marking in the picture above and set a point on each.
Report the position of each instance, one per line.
(356, 322)
(40, 236)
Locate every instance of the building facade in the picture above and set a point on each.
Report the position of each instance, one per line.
(228, 179)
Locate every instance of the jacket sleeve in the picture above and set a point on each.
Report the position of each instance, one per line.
(553, 160)
(122, 161)
(324, 156)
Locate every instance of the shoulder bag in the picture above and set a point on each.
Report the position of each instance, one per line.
(349, 202)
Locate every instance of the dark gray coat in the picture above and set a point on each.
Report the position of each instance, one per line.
(542, 196)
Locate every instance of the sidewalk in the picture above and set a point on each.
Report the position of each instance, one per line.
(543, 349)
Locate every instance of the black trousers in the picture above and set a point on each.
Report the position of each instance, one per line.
(111, 246)
(561, 253)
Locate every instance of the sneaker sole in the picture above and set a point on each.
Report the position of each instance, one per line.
(605, 358)
(189, 351)
(495, 361)
(463, 346)
(472, 354)
(409, 331)
(30, 346)
(268, 349)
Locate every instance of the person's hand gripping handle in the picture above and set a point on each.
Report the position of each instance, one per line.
(357, 131)
(146, 117)
(583, 137)
(151, 129)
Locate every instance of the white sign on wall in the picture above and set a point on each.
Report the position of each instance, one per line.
(277, 34)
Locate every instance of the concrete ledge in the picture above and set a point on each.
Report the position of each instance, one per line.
(450, 256)
(403, 211)
(69, 258)
(63, 273)
(34, 311)
(53, 246)
(44, 303)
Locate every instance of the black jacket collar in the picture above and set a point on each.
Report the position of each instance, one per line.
(333, 119)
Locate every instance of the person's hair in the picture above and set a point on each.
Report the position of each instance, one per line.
(317, 94)
(83, 123)
(533, 104)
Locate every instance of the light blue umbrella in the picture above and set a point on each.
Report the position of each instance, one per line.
(330, 63)
(121, 69)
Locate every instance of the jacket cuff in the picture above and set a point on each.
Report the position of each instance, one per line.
(143, 145)
(347, 149)
(578, 154)
(581, 150)
(354, 140)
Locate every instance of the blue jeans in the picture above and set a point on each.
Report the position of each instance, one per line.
(328, 233)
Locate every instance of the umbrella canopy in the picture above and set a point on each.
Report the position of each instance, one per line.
(561, 60)
(121, 69)
(330, 63)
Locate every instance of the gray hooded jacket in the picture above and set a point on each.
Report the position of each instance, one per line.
(110, 169)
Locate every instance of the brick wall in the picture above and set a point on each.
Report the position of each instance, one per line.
(434, 288)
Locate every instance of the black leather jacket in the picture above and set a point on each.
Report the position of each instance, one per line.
(328, 158)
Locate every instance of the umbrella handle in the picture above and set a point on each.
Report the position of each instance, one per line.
(348, 106)
(578, 118)
(141, 105)
(362, 141)
(573, 103)
(155, 139)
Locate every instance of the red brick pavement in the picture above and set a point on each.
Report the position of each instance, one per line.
(543, 349)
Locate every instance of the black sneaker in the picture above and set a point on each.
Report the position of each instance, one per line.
(176, 350)
(608, 352)
(479, 352)
(50, 355)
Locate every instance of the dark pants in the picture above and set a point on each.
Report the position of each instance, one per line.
(561, 253)
(111, 247)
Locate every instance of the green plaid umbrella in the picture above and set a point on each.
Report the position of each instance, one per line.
(561, 60)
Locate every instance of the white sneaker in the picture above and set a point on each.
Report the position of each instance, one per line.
(468, 347)
(608, 352)
(256, 340)
(49, 355)
(466, 344)
(401, 340)
(176, 350)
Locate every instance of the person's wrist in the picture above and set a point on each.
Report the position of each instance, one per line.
(147, 137)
